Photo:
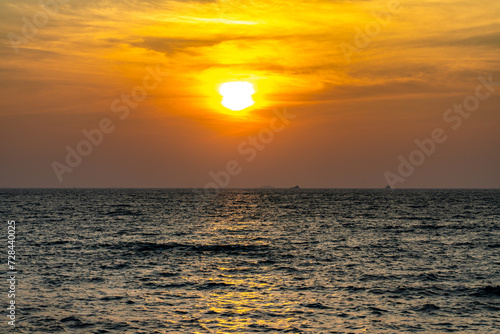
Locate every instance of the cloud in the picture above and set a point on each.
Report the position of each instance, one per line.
(488, 40)
(170, 45)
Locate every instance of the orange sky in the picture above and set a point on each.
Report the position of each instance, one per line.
(363, 80)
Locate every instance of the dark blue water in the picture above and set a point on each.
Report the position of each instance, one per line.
(256, 261)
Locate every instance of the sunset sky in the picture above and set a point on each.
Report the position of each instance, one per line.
(360, 80)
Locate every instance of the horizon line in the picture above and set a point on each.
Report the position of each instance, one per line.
(252, 188)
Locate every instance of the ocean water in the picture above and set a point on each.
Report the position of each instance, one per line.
(255, 261)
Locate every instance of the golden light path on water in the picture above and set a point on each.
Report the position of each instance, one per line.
(233, 311)
(238, 297)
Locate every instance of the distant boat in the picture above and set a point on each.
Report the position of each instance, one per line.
(296, 187)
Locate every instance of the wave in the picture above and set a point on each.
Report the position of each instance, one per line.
(145, 247)
(487, 291)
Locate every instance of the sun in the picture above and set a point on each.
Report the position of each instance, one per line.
(237, 95)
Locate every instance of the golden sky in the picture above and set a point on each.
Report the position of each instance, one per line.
(364, 80)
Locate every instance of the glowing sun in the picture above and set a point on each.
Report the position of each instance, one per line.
(237, 95)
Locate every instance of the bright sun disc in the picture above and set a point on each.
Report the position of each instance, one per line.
(237, 95)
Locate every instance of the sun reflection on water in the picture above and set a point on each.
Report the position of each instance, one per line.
(243, 295)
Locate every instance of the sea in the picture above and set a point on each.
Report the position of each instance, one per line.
(253, 261)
